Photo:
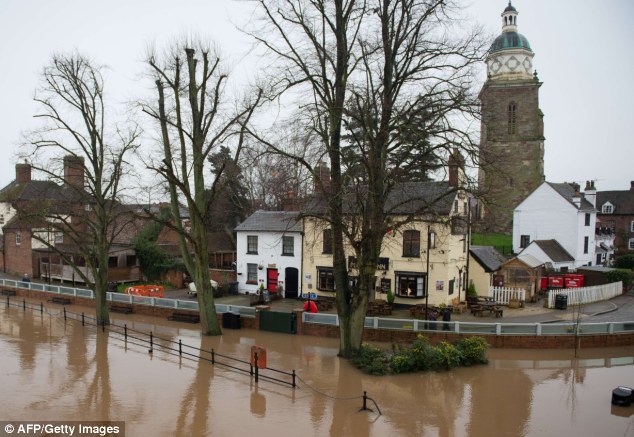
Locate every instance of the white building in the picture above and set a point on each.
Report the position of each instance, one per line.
(558, 212)
(550, 253)
(269, 253)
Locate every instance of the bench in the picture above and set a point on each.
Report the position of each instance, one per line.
(8, 292)
(118, 308)
(184, 317)
(60, 300)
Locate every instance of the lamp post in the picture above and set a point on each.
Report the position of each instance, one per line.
(429, 234)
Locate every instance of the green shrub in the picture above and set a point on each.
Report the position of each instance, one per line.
(624, 262)
(448, 356)
(390, 297)
(473, 350)
(471, 290)
(622, 275)
(372, 360)
(421, 356)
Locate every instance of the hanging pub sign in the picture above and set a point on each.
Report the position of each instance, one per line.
(382, 264)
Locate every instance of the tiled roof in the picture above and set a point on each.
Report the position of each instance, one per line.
(623, 201)
(488, 257)
(567, 191)
(405, 198)
(554, 250)
(274, 221)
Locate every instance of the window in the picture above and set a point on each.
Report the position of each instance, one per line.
(130, 260)
(411, 243)
(607, 209)
(1, 219)
(630, 244)
(325, 279)
(58, 238)
(410, 285)
(18, 238)
(252, 244)
(632, 226)
(252, 273)
(113, 261)
(525, 240)
(288, 246)
(586, 241)
(512, 115)
(327, 240)
(452, 284)
(587, 219)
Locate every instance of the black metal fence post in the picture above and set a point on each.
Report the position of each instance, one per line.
(213, 357)
(293, 375)
(151, 343)
(180, 347)
(82, 319)
(257, 373)
(64, 313)
(7, 301)
(41, 308)
(24, 304)
(125, 331)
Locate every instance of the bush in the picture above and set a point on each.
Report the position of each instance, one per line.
(372, 360)
(471, 290)
(624, 262)
(622, 275)
(421, 356)
(473, 350)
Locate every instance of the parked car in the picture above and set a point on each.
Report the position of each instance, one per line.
(192, 287)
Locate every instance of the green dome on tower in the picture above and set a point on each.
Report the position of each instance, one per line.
(510, 40)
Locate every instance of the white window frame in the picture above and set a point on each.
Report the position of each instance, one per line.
(18, 238)
(632, 226)
(630, 244)
(607, 208)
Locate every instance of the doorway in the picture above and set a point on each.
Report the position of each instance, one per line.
(271, 280)
(291, 276)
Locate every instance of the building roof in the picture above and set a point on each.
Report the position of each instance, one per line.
(510, 40)
(567, 191)
(272, 221)
(529, 260)
(554, 250)
(623, 201)
(488, 257)
(403, 199)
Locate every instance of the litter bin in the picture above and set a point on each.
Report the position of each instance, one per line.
(233, 287)
(561, 302)
(231, 321)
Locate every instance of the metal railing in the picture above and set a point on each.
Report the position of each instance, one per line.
(152, 342)
(496, 328)
(127, 298)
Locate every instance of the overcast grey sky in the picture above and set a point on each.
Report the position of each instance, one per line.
(582, 48)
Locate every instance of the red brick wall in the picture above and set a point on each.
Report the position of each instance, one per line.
(18, 258)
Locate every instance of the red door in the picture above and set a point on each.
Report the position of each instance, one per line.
(271, 280)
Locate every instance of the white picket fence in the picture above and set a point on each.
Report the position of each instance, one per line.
(579, 296)
(502, 295)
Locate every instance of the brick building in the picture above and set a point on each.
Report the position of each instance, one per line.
(512, 129)
(616, 212)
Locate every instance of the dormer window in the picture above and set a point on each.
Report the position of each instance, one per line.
(607, 208)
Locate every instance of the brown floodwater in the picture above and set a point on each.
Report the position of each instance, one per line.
(58, 370)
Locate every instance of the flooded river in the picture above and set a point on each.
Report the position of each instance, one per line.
(58, 370)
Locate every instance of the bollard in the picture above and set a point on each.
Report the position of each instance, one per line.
(82, 319)
(24, 304)
(64, 313)
(41, 307)
(293, 374)
(151, 343)
(213, 357)
(255, 357)
(365, 401)
(125, 331)
(180, 347)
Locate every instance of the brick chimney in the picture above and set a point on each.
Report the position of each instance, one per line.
(74, 171)
(290, 201)
(23, 173)
(322, 178)
(456, 166)
(631, 185)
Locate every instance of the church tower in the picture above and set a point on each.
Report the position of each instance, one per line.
(512, 129)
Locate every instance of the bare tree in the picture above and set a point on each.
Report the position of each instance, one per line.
(83, 204)
(195, 119)
(386, 84)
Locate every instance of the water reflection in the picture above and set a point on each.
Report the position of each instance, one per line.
(58, 370)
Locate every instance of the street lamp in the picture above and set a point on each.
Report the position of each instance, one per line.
(430, 235)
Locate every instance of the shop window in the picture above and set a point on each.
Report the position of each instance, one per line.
(410, 285)
(325, 279)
